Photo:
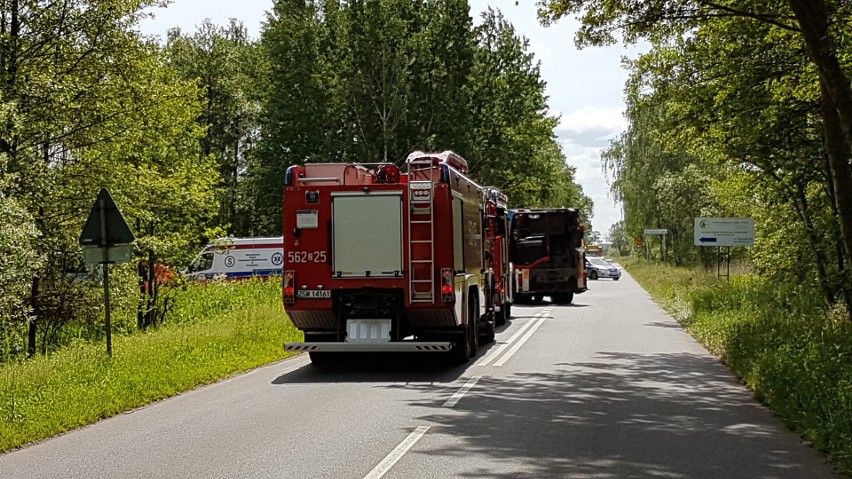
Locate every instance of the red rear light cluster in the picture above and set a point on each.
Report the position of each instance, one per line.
(448, 290)
(289, 288)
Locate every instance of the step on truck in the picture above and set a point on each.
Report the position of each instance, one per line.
(380, 260)
(546, 250)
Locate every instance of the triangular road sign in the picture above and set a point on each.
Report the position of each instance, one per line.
(109, 230)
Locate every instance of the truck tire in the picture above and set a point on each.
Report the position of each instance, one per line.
(461, 346)
(489, 333)
(507, 307)
(321, 358)
(501, 317)
(473, 318)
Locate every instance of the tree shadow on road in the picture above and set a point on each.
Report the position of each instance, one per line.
(625, 415)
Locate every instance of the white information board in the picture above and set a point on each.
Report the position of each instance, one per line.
(715, 231)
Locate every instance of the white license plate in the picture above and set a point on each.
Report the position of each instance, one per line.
(313, 293)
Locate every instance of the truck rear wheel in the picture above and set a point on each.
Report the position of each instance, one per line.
(466, 344)
(507, 311)
(563, 298)
(488, 335)
(473, 319)
(501, 316)
(461, 346)
(321, 358)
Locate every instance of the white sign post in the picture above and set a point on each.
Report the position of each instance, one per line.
(660, 232)
(724, 231)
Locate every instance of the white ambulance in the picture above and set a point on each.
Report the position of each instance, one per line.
(238, 258)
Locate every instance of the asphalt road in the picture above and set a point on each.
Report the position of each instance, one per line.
(610, 387)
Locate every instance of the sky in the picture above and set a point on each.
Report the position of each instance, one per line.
(585, 87)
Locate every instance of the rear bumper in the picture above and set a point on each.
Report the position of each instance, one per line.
(395, 347)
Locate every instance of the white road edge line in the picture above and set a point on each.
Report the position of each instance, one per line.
(491, 356)
(383, 467)
(462, 391)
(519, 343)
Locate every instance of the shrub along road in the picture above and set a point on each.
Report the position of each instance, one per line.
(609, 387)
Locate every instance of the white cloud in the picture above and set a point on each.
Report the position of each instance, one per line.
(587, 161)
(611, 121)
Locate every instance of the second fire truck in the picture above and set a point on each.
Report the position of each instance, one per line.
(383, 260)
(497, 253)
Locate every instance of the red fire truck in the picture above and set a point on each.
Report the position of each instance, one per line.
(496, 234)
(546, 248)
(380, 260)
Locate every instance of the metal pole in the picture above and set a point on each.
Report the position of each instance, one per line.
(105, 262)
(729, 262)
(719, 262)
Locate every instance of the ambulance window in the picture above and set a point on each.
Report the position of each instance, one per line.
(203, 262)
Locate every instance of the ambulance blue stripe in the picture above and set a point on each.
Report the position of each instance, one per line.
(259, 272)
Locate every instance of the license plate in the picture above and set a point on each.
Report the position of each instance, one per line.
(313, 293)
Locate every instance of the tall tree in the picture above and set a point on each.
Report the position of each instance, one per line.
(89, 107)
(511, 133)
(220, 60)
(380, 78)
(295, 120)
(817, 25)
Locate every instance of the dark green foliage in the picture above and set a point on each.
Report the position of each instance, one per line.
(222, 62)
(87, 104)
(731, 114)
(381, 78)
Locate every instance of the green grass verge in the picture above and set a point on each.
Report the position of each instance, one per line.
(79, 384)
(780, 339)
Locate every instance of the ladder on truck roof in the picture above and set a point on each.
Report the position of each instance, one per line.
(421, 230)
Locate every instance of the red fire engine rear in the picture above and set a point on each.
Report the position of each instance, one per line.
(546, 246)
(380, 260)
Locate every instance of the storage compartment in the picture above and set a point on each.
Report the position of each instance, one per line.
(367, 234)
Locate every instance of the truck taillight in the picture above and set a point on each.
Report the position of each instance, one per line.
(448, 290)
(289, 289)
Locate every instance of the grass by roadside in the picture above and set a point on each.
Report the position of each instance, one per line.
(780, 339)
(79, 385)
